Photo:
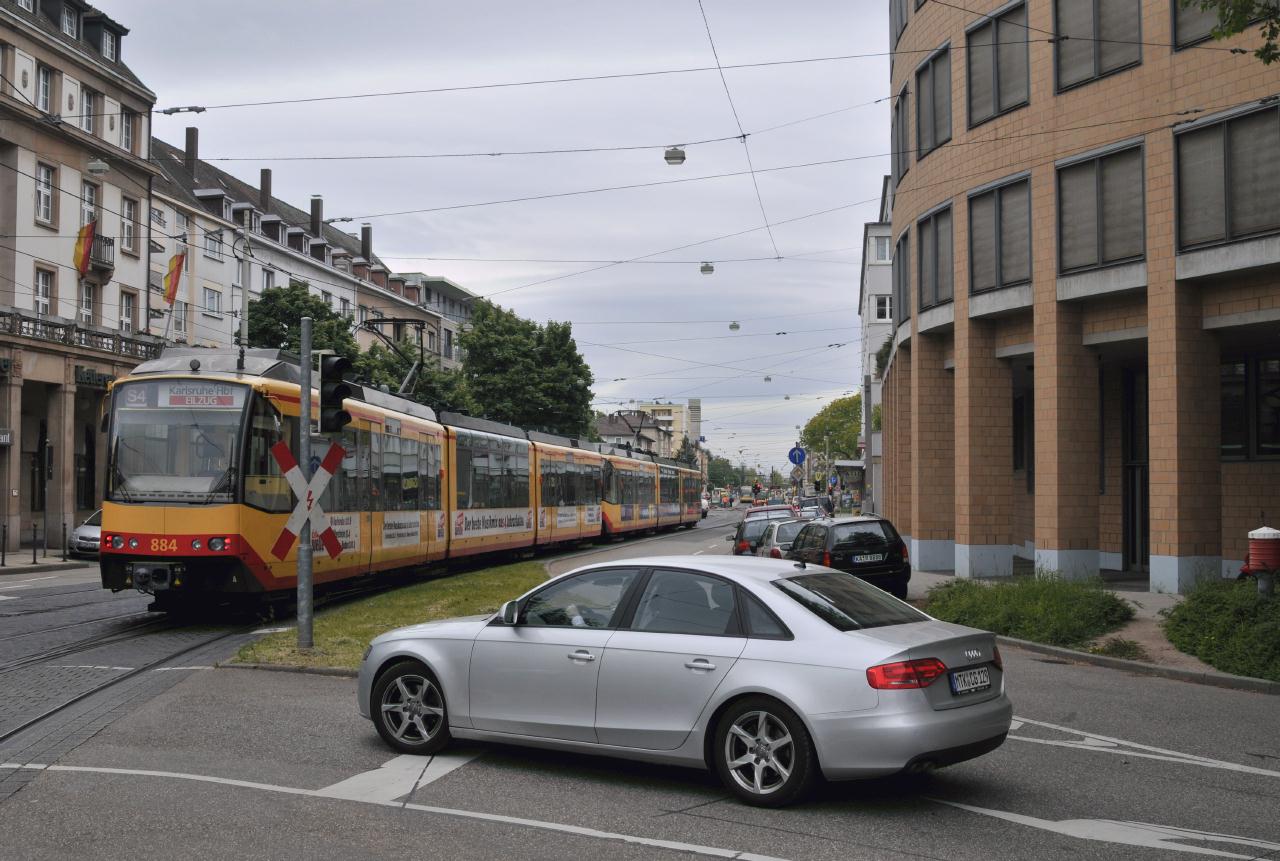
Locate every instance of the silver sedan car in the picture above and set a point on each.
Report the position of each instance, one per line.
(765, 671)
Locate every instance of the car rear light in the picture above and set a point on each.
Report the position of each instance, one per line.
(775, 553)
(826, 558)
(744, 547)
(996, 659)
(906, 674)
(906, 557)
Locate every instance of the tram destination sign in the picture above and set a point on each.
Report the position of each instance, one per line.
(185, 394)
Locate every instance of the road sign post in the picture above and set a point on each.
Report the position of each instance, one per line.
(304, 460)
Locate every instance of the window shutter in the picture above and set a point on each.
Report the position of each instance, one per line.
(1012, 36)
(1119, 28)
(1077, 217)
(924, 110)
(1201, 195)
(942, 98)
(1255, 172)
(982, 241)
(1123, 210)
(1191, 23)
(925, 242)
(942, 236)
(1075, 54)
(1015, 233)
(981, 71)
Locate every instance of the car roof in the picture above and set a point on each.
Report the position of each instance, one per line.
(739, 568)
(763, 509)
(850, 518)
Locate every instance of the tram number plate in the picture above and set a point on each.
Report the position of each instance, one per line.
(970, 681)
(869, 557)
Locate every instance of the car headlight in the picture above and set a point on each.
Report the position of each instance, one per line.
(133, 544)
(367, 650)
(196, 544)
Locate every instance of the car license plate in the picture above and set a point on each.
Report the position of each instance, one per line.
(869, 557)
(970, 681)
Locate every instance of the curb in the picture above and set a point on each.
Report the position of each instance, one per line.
(28, 568)
(1199, 677)
(339, 672)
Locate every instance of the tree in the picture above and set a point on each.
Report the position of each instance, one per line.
(721, 472)
(1236, 16)
(776, 479)
(524, 374)
(687, 453)
(436, 387)
(275, 321)
(835, 428)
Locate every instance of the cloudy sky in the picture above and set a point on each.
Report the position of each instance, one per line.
(651, 328)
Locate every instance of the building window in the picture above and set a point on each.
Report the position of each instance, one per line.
(128, 224)
(998, 68)
(87, 303)
(127, 120)
(1000, 237)
(268, 279)
(883, 244)
(227, 213)
(157, 215)
(901, 161)
(1100, 211)
(109, 45)
(1250, 408)
(212, 301)
(1229, 179)
(128, 312)
(884, 307)
(46, 182)
(180, 318)
(88, 203)
(431, 341)
(448, 344)
(44, 295)
(933, 103)
(27, 5)
(1192, 24)
(364, 314)
(88, 106)
(933, 238)
(327, 297)
(902, 280)
(345, 306)
(897, 19)
(44, 88)
(70, 21)
(213, 244)
(1095, 38)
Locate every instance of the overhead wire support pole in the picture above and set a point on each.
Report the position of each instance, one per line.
(305, 640)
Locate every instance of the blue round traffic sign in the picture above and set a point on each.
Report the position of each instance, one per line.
(796, 455)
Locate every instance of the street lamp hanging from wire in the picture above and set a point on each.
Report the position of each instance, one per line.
(674, 156)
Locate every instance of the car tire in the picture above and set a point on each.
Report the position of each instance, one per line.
(769, 774)
(409, 709)
(898, 589)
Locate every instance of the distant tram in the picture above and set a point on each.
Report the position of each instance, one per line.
(196, 502)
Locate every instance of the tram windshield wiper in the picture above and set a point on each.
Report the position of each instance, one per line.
(225, 483)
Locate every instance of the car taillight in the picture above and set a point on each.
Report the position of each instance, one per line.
(996, 659)
(905, 556)
(744, 547)
(826, 558)
(906, 674)
(775, 553)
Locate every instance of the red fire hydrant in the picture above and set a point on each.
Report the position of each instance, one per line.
(1263, 561)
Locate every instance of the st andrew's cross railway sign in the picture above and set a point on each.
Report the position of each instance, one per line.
(308, 507)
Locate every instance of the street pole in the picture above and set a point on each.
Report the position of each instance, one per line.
(304, 462)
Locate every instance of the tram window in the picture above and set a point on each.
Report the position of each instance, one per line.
(392, 478)
(264, 485)
(462, 473)
(341, 494)
(431, 475)
(479, 478)
(609, 483)
(410, 481)
(374, 470)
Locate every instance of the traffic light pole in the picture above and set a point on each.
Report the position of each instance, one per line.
(304, 462)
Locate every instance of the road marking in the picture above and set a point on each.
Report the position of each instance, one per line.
(28, 582)
(698, 552)
(87, 667)
(1142, 834)
(1106, 744)
(169, 669)
(398, 777)
(8, 597)
(273, 630)
(577, 830)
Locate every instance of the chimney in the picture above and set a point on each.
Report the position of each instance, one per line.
(366, 242)
(264, 195)
(193, 149)
(317, 216)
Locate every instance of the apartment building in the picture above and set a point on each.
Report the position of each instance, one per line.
(637, 429)
(452, 302)
(680, 420)
(1086, 269)
(875, 312)
(73, 149)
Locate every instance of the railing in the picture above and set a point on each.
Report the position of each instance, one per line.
(103, 252)
(27, 325)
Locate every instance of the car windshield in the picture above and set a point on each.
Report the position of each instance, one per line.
(95, 519)
(787, 531)
(847, 603)
(862, 532)
(175, 440)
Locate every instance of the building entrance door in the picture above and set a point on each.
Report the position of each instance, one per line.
(1136, 490)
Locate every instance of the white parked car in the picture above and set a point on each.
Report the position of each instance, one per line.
(86, 538)
(765, 671)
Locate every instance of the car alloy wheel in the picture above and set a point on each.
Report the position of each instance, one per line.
(409, 709)
(763, 753)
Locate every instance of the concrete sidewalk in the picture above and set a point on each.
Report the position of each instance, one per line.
(20, 563)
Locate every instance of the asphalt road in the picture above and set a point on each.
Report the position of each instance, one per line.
(248, 764)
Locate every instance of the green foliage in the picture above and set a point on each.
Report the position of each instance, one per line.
(687, 453)
(1044, 609)
(1229, 626)
(876, 419)
(275, 321)
(524, 374)
(721, 472)
(776, 479)
(1237, 16)
(1118, 647)
(434, 386)
(882, 355)
(838, 423)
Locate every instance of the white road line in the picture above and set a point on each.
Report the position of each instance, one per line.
(28, 582)
(698, 552)
(273, 630)
(398, 777)
(8, 597)
(169, 669)
(1106, 744)
(693, 848)
(87, 667)
(1144, 834)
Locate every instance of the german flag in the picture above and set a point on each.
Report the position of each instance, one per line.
(84, 244)
(173, 276)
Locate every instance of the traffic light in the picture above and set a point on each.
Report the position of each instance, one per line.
(333, 391)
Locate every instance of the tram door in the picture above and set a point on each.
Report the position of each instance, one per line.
(1136, 475)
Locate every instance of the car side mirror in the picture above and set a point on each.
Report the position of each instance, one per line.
(511, 613)
(728, 538)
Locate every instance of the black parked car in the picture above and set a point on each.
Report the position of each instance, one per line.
(746, 538)
(867, 547)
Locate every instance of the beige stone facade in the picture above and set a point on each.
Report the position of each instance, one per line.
(1089, 376)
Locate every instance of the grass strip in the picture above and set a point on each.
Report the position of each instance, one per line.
(1230, 627)
(1043, 609)
(342, 632)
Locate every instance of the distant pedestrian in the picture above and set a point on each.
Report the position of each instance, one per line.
(829, 504)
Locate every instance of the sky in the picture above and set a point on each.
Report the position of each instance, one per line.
(654, 328)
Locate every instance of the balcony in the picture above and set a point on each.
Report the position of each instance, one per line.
(26, 325)
(103, 253)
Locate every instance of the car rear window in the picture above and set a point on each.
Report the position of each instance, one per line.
(753, 529)
(847, 603)
(862, 531)
(788, 531)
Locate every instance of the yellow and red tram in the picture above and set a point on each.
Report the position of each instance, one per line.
(196, 503)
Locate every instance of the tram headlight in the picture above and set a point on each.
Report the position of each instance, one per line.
(133, 544)
(195, 544)
(117, 541)
(217, 544)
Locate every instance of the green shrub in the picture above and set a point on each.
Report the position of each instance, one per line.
(1118, 647)
(1044, 609)
(1226, 624)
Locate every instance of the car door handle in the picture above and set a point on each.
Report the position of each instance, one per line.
(581, 655)
(700, 664)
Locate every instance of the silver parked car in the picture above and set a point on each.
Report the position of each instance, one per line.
(765, 671)
(86, 537)
(777, 538)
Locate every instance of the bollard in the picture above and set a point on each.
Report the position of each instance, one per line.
(4, 541)
(64, 542)
(35, 534)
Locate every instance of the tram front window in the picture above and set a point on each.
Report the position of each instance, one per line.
(175, 441)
